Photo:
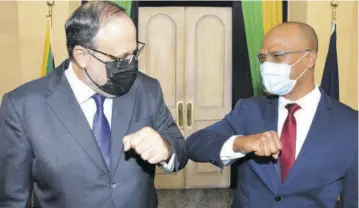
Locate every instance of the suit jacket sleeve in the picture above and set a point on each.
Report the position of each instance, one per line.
(169, 131)
(206, 144)
(15, 159)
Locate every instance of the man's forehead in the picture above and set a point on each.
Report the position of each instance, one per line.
(117, 38)
(278, 43)
(282, 37)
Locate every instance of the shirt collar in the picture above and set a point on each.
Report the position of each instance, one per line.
(308, 103)
(82, 92)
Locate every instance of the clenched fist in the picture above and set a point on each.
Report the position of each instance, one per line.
(262, 144)
(148, 144)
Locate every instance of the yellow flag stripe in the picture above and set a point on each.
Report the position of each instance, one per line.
(46, 48)
(272, 14)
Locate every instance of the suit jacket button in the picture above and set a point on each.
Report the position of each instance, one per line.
(277, 198)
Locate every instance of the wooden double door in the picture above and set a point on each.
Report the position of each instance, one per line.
(188, 49)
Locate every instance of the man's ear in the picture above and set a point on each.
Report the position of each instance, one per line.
(80, 55)
(312, 58)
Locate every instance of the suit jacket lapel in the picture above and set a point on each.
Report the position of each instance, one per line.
(264, 166)
(63, 103)
(314, 139)
(122, 111)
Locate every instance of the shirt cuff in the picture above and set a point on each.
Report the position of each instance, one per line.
(168, 167)
(227, 154)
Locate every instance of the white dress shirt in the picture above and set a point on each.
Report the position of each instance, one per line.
(83, 95)
(304, 117)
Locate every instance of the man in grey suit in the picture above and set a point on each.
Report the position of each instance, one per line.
(90, 134)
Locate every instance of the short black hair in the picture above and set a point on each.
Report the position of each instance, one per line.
(85, 22)
(308, 33)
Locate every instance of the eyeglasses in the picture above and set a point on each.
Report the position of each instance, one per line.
(129, 58)
(277, 56)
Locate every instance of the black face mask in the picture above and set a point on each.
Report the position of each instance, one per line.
(120, 74)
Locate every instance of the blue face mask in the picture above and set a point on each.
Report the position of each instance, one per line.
(276, 77)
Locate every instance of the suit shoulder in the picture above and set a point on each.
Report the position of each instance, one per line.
(34, 88)
(145, 78)
(345, 126)
(344, 113)
(147, 83)
(253, 102)
(148, 93)
(259, 99)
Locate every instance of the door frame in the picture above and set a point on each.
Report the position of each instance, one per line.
(241, 74)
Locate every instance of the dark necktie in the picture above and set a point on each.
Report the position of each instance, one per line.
(101, 129)
(288, 138)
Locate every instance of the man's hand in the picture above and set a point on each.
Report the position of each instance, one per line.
(262, 144)
(149, 144)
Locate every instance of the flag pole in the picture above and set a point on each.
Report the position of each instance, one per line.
(50, 4)
(334, 5)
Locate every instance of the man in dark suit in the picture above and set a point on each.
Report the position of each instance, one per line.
(297, 147)
(91, 133)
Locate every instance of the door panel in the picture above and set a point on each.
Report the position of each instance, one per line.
(162, 29)
(208, 82)
(201, 82)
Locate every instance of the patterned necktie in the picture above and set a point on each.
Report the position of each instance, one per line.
(101, 129)
(288, 138)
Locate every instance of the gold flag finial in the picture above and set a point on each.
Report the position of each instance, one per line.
(334, 5)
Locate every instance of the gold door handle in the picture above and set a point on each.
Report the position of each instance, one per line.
(189, 114)
(180, 114)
